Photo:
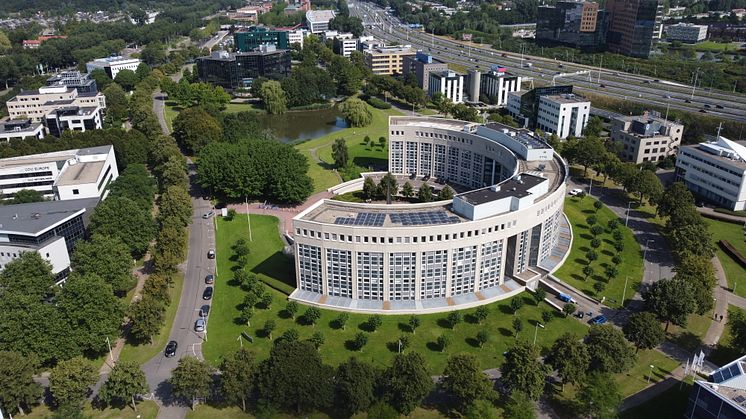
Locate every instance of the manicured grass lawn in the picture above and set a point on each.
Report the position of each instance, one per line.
(636, 379)
(241, 107)
(142, 353)
(577, 211)
(267, 260)
(690, 337)
(725, 352)
(668, 405)
(733, 233)
(145, 410)
(714, 46)
(360, 155)
(170, 112)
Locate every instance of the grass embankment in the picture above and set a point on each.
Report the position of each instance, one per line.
(144, 352)
(734, 234)
(267, 261)
(577, 211)
(362, 156)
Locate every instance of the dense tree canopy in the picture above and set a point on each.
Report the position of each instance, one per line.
(18, 390)
(123, 218)
(609, 350)
(407, 382)
(523, 372)
(194, 128)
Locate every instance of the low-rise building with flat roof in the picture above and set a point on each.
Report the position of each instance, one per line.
(686, 32)
(646, 137)
(36, 104)
(449, 83)
(317, 21)
(421, 65)
(73, 118)
(61, 175)
(715, 171)
(113, 65)
(723, 395)
(236, 70)
(20, 129)
(388, 61)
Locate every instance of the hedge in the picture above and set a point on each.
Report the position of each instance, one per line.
(378, 103)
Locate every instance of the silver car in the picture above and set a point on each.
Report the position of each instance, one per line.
(199, 325)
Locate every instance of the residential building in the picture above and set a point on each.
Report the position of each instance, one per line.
(36, 104)
(388, 60)
(580, 24)
(60, 175)
(715, 171)
(81, 82)
(686, 32)
(20, 129)
(252, 39)
(496, 237)
(633, 25)
(317, 21)
(73, 118)
(493, 86)
(646, 138)
(50, 228)
(236, 70)
(723, 395)
(449, 83)
(113, 65)
(421, 65)
(36, 43)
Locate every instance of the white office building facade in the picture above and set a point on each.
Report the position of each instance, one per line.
(686, 32)
(449, 83)
(563, 115)
(113, 65)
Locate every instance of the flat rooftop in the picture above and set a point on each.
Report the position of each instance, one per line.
(566, 98)
(700, 148)
(57, 156)
(81, 173)
(521, 135)
(518, 187)
(35, 218)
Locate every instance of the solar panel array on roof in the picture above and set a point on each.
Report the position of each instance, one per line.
(370, 219)
(423, 218)
(726, 373)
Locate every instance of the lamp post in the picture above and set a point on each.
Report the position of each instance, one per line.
(650, 373)
(536, 331)
(626, 216)
(624, 291)
(248, 218)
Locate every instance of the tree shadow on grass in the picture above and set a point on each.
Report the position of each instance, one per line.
(686, 340)
(284, 314)
(608, 253)
(586, 236)
(589, 211)
(580, 261)
(473, 342)
(505, 309)
(433, 346)
(471, 318)
(374, 162)
(442, 322)
(505, 332)
(404, 327)
(577, 277)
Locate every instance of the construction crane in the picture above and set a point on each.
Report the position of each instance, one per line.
(577, 73)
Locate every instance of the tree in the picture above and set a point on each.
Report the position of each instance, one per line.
(295, 377)
(355, 383)
(517, 326)
(591, 255)
(522, 371)
(699, 273)
(644, 330)
(89, 306)
(370, 190)
(356, 112)
(116, 102)
(407, 191)
(694, 239)
(388, 185)
(290, 335)
(611, 272)
(609, 350)
(464, 379)
(594, 127)
(407, 382)
(70, 381)
(445, 194)
(442, 342)
(146, 318)
(237, 376)
(737, 320)
(126, 380)
(515, 304)
(107, 257)
(312, 315)
(596, 230)
(267, 300)
(676, 198)
(317, 339)
(414, 322)
(599, 396)
(341, 321)
(175, 203)
(382, 142)
(18, 390)
(588, 152)
(359, 341)
(274, 97)
(570, 357)
(122, 218)
(374, 322)
(194, 128)
(454, 318)
(481, 314)
(568, 309)
(519, 406)
(291, 308)
(268, 327)
(671, 300)
(339, 153)
(191, 379)
(425, 193)
(539, 295)
(127, 79)
(482, 337)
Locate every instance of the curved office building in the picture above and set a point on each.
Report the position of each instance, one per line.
(495, 237)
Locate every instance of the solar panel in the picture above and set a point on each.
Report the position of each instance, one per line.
(423, 218)
(368, 219)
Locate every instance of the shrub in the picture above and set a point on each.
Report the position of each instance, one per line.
(378, 103)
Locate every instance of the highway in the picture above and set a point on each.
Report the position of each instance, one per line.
(596, 80)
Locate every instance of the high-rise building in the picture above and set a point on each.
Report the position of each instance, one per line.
(633, 25)
(555, 110)
(449, 83)
(232, 71)
(387, 60)
(577, 23)
(646, 138)
(255, 37)
(421, 65)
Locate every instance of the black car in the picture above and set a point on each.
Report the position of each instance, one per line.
(204, 311)
(207, 294)
(171, 349)
(210, 279)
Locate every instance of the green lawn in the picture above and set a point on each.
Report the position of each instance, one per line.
(690, 337)
(145, 410)
(267, 261)
(142, 353)
(360, 155)
(170, 112)
(577, 211)
(241, 107)
(733, 233)
(668, 405)
(725, 352)
(714, 46)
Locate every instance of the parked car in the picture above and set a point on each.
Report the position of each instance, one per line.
(211, 254)
(208, 214)
(204, 311)
(598, 320)
(171, 349)
(199, 325)
(576, 192)
(580, 314)
(720, 106)
(210, 279)
(566, 298)
(207, 293)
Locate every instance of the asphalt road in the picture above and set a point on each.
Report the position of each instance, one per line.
(622, 85)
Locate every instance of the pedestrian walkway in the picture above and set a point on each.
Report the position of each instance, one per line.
(711, 213)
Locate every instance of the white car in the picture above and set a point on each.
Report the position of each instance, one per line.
(576, 192)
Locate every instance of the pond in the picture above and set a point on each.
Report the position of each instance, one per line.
(300, 125)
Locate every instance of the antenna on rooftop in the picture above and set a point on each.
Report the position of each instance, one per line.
(720, 128)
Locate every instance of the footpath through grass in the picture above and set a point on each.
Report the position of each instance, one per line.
(734, 234)
(267, 261)
(577, 211)
(319, 150)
